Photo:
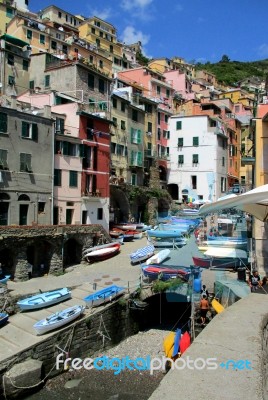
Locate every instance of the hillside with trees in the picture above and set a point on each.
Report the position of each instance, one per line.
(232, 72)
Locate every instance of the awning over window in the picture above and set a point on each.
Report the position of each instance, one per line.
(14, 40)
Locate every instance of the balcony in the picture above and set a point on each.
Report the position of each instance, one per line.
(247, 160)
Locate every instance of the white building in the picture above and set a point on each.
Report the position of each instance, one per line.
(198, 158)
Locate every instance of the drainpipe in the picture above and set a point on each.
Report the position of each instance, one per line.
(52, 177)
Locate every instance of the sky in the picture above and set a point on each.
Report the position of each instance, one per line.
(195, 30)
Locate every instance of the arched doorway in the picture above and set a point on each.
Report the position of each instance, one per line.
(39, 254)
(23, 209)
(7, 260)
(4, 207)
(72, 252)
(119, 205)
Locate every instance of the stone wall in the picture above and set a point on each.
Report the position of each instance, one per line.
(88, 337)
(56, 246)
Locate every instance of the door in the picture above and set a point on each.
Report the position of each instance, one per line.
(4, 213)
(23, 214)
(69, 216)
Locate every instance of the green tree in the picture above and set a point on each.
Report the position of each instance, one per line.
(225, 58)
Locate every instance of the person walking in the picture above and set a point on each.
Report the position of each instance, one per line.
(204, 307)
(30, 270)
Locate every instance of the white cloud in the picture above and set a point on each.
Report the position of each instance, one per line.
(104, 14)
(130, 4)
(263, 50)
(130, 35)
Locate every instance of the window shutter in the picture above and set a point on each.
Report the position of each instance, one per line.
(181, 159)
(196, 141)
(139, 158)
(35, 132)
(132, 135)
(180, 142)
(24, 129)
(178, 125)
(139, 136)
(132, 158)
(65, 148)
(3, 122)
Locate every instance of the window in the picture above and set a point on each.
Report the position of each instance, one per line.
(134, 179)
(3, 159)
(111, 49)
(58, 36)
(59, 14)
(25, 162)
(148, 108)
(70, 149)
(136, 158)
(166, 118)
(3, 122)
(29, 131)
(100, 214)
(135, 136)
(180, 142)
(123, 125)
(181, 159)
(123, 107)
(196, 141)
(243, 180)
(178, 125)
(9, 12)
(115, 121)
(11, 80)
(150, 127)
(194, 181)
(97, 42)
(25, 65)
(168, 93)
(73, 179)
(41, 207)
(93, 31)
(114, 103)
(90, 81)
(158, 89)
(60, 125)
(57, 177)
(31, 85)
(64, 49)
(29, 34)
(47, 80)
(223, 185)
(42, 38)
(195, 158)
(223, 162)
(101, 86)
(135, 115)
(53, 45)
(10, 59)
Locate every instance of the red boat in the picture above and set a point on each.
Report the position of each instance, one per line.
(103, 253)
(208, 262)
(154, 271)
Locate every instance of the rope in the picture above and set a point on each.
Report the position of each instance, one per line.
(104, 335)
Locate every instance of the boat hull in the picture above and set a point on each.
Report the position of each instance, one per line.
(103, 254)
(164, 234)
(104, 296)
(142, 254)
(3, 318)
(43, 300)
(159, 257)
(57, 320)
(5, 279)
(208, 262)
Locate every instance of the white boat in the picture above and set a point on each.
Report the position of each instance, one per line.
(142, 254)
(223, 252)
(101, 246)
(104, 295)
(233, 244)
(104, 253)
(45, 299)
(58, 319)
(138, 235)
(158, 257)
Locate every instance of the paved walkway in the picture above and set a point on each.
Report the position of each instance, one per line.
(19, 334)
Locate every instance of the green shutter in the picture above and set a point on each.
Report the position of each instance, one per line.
(180, 142)
(139, 158)
(139, 136)
(181, 159)
(65, 148)
(196, 141)
(178, 125)
(35, 132)
(132, 135)
(132, 158)
(3, 122)
(24, 129)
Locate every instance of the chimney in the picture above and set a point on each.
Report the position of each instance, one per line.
(47, 111)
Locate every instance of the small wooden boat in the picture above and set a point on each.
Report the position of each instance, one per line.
(158, 257)
(165, 273)
(103, 296)
(58, 319)
(45, 299)
(104, 253)
(142, 254)
(101, 246)
(3, 318)
(5, 279)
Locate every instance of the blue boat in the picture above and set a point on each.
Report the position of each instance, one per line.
(45, 299)
(164, 234)
(103, 296)
(3, 318)
(5, 279)
(142, 254)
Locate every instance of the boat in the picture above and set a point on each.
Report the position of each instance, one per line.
(103, 296)
(185, 342)
(58, 319)
(221, 257)
(101, 246)
(119, 239)
(157, 233)
(168, 242)
(128, 237)
(165, 273)
(45, 299)
(137, 235)
(142, 254)
(176, 346)
(126, 226)
(5, 279)
(104, 253)
(115, 233)
(234, 244)
(3, 318)
(218, 307)
(169, 344)
(159, 257)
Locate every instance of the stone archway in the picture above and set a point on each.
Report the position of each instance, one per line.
(72, 252)
(120, 204)
(39, 254)
(7, 259)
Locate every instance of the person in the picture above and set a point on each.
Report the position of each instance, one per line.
(30, 270)
(204, 307)
(254, 280)
(204, 291)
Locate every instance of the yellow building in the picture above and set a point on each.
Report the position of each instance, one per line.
(8, 8)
